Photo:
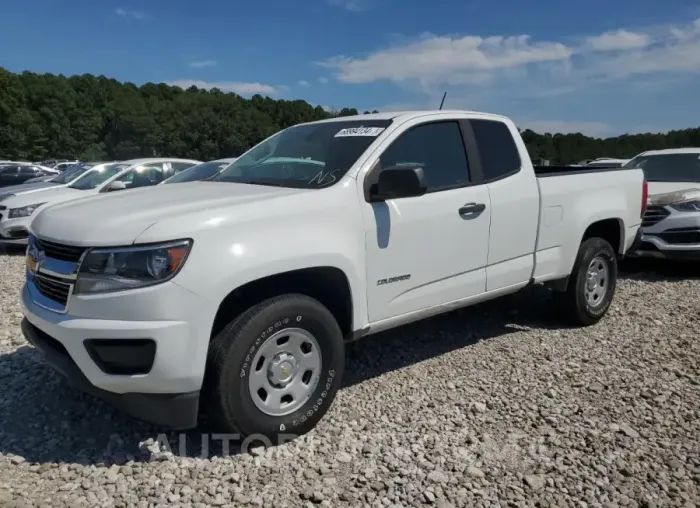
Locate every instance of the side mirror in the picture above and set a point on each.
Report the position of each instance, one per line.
(398, 182)
(115, 186)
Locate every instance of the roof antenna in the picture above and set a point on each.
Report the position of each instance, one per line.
(443, 99)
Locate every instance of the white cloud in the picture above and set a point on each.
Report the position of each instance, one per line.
(618, 40)
(303, 83)
(522, 63)
(200, 64)
(351, 5)
(442, 58)
(238, 87)
(323, 81)
(597, 129)
(129, 15)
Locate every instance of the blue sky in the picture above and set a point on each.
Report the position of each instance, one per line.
(599, 66)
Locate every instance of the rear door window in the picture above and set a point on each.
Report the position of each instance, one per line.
(498, 152)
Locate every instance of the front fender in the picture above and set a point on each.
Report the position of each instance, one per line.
(292, 263)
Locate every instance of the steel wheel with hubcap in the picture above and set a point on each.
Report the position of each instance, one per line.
(275, 369)
(591, 286)
(286, 370)
(597, 280)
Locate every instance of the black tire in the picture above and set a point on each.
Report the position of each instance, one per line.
(229, 404)
(576, 309)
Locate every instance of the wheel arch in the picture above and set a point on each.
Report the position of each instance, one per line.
(329, 285)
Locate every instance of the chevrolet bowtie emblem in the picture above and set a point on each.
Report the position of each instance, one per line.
(34, 257)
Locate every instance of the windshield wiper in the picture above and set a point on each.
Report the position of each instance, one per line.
(264, 182)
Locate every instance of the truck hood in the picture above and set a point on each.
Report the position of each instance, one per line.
(119, 217)
(24, 188)
(664, 187)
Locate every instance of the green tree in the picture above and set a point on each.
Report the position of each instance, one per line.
(97, 118)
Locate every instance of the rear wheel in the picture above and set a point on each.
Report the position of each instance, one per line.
(592, 283)
(276, 368)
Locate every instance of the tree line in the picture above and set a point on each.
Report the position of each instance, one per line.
(96, 118)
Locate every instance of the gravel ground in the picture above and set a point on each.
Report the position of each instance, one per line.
(489, 406)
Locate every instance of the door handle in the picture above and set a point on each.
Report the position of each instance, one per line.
(471, 210)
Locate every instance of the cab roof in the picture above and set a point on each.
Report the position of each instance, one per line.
(408, 115)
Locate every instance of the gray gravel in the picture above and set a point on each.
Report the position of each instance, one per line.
(489, 406)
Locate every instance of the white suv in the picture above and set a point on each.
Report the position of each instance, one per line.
(671, 224)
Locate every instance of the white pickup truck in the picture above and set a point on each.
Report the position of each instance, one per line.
(241, 292)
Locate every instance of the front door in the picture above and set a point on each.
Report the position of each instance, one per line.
(428, 250)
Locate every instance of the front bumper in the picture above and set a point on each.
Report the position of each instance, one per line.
(14, 231)
(653, 247)
(177, 410)
(669, 234)
(176, 320)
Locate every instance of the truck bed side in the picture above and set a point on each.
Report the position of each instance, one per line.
(572, 201)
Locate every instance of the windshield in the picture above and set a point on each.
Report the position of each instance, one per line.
(672, 167)
(199, 172)
(97, 176)
(310, 156)
(71, 173)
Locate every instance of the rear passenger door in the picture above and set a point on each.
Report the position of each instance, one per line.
(515, 203)
(432, 249)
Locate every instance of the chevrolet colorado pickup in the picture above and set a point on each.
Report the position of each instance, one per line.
(238, 294)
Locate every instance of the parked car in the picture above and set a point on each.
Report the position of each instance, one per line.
(16, 212)
(54, 173)
(671, 225)
(240, 292)
(15, 174)
(53, 180)
(204, 171)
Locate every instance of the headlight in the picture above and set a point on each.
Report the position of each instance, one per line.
(106, 270)
(687, 206)
(25, 211)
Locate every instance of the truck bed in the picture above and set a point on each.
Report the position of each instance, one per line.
(573, 198)
(545, 171)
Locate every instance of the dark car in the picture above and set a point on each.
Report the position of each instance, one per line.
(12, 174)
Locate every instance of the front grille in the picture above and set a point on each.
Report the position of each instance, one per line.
(60, 251)
(654, 215)
(53, 288)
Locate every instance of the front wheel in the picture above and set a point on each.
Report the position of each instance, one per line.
(592, 283)
(275, 369)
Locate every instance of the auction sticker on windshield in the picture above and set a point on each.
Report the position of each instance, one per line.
(359, 131)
